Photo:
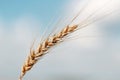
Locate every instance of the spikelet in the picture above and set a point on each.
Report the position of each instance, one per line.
(35, 55)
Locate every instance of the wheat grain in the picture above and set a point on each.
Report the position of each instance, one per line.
(35, 55)
(51, 41)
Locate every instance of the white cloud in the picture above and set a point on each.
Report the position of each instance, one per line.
(15, 43)
(92, 9)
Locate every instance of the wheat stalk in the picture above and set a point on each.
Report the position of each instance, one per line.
(35, 55)
(51, 41)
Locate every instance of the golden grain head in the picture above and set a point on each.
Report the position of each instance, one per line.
(44, 47)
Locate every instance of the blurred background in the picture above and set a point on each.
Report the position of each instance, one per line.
(93, 53)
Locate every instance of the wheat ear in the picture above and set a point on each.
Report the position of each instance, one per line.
(35, 55)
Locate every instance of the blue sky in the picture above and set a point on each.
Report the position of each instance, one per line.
(40, 9)
(94, 55)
